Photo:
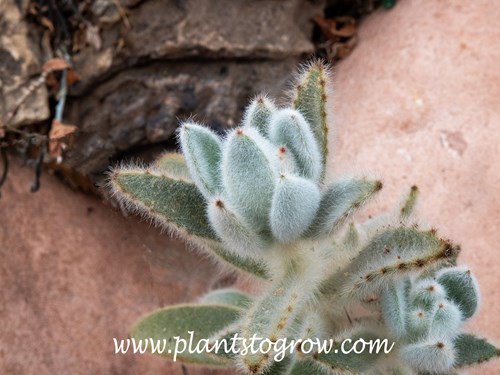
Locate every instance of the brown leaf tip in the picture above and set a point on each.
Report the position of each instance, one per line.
(450, 250)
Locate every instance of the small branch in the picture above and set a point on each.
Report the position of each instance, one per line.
(123, 14)
(38, 167)
(5, 162)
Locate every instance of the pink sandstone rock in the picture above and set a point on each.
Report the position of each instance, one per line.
(418, 102)
(75, 274)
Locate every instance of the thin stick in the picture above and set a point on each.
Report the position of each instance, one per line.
(5, 161)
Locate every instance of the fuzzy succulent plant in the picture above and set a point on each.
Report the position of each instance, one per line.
(257, 201)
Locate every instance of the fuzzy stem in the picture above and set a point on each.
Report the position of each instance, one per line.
(273, 316)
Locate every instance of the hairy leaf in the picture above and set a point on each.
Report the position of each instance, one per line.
(174, 323)
(461, 287)
(258, 114)
(295, 202)
(202, 150)
(173, 164)
(290, 129)
(248, 175)
(353, 362)
(170, 202)
(310, 99)
(472, 350)
(230, 297)
(339, 201)
(391, 253)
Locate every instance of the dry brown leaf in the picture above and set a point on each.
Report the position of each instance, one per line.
(72, 77)
(55, 64)
(341, 34)
(58, 64)
(342, 50)
(79, 38)
(58, 132)
(344, 27)
(47, 23)
(340, 27)
(52, 83)
(32, 9)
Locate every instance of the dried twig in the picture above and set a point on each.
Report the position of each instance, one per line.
(5, 162)
(123, 14)
(38, 167)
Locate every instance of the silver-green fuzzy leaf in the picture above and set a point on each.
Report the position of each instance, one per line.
(447, 320)
(165, 324)
(472, 350)
(285, 161)
(310, 99)
(245, 264)
(173, 165)
(434, 355)
(248, 176)
(426, 293)
(294, 205)
(177, 205)
(352, 363)
(202, 150)
(309, 367)
(258, 114)
(351, 238)
(230, 297)
(394, 302)
(394, 252)
(418, 323)
(409, 203)
(173, 203)
(461, 287)
(339, 201)
(232, 229)
(288, 127)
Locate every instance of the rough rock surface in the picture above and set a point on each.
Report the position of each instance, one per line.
(157, 61)
(143, 105)
(171, 29)
(19, 58)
